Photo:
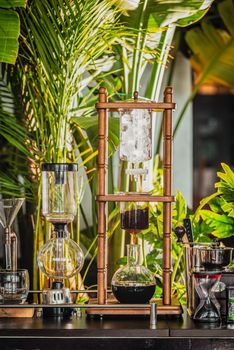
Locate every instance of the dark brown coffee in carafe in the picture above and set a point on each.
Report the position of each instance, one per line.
(133, 294)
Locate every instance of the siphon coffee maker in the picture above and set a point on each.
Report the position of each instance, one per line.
(60, 258)
(14, 282)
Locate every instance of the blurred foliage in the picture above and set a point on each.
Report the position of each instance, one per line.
(212, 48)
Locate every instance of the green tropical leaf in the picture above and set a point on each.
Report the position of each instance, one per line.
(227, 176)
(9, 30)
(223, 226)
(228, 208)
(215, 219)
(203, 202)
(166, 13)
(180, 208)
(216, 203)
(9, 33)
(201, 231)
(219, 220)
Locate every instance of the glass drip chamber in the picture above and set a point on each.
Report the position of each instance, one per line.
(134, 216)
(135, 133)
(136, 143)
(133, 283)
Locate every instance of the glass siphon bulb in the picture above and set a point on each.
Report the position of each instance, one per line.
(60, 257)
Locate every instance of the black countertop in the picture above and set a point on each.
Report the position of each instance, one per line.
(111, 333)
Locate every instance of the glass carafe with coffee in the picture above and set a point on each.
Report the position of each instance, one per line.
(134, 283)
(60, 258)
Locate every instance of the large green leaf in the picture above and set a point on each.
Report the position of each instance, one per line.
(226, 189)
(181, 13)
(9, 30)
(220, 217)
(222, 225)
(165, 13)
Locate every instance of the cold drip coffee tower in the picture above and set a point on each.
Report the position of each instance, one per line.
(134, 283)
(136, 151)
(60, 258)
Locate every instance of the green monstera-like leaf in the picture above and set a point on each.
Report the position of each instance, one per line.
(9, 29)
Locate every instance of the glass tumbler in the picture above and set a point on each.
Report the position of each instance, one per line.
(14, 286)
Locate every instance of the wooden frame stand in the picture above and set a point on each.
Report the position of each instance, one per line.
(166, 305)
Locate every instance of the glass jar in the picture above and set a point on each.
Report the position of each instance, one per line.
(59, 191)
(133, 283)
(14, 286)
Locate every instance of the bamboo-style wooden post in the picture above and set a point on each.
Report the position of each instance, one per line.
(167, 188)
(102, 206)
